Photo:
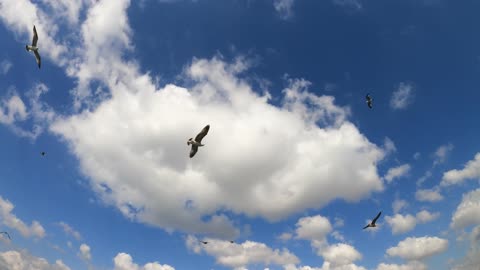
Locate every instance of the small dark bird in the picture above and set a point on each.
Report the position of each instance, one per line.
(231, 241)
(34, 47)
(198, 141)
(369, 101)
(204, 242)
(43, 153)
(6, 233)
(372, 224)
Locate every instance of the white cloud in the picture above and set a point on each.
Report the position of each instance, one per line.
(389, 146)
(315, 228)
(69, 230)
(85, 252)
(340, 255)
(269, 179)
(285, 236)
(398, 205)
(12, 109)
(470, 171)
(418, 248)
(124, 261)
(15, 260)
(428, 195)
(441, 154)
(424, 216)
(472, 259)
(5, 66)
(414, 265)
(241, 255)
(402, 97)
(416, 156)
(468, 211)
(397, 172)
(424, 177)
(325, 266)
(284, 8)
(69, 9)
(339, 222)
(351, 4)
(400, 223)
(10, 220)
(405, 223)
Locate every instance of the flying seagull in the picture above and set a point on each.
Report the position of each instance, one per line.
(369, 101)
(6, 233)
(204, 242)
(34, 47)
(43, 153)
(198, 140)
(372, 224)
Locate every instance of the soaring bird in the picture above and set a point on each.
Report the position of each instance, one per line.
(204, 242)
(372, 224)
(43, 153)
(369, 101)
(34, 47)
(6, 233)
(198, 140)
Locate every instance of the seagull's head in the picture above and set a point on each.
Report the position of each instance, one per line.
(189, 141)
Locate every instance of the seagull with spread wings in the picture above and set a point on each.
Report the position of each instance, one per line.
(6, 233)
(34, 47)
(198, 141)
(369, 101)
(372, 224)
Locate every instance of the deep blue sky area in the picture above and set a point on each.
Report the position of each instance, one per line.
(115, 191)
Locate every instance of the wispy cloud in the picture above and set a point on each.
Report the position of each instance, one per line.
(397, 172)
(69, 230)
(5, 66)
(350, 4)
(284, 8)
(402, 97)
(441, 154)
(10, 220)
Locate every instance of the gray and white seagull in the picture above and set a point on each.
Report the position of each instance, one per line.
(372, 224)
(369, 101)
(198, 140)
(34, 47)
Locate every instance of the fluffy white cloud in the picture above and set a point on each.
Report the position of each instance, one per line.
(428, 195)
(15, 260)
(69, 230)
(68, 9)
(12, 109)
(153, 155)
(315, 228)
(85, 252)
(414, 265)
(402, 97)
(285, 236)
(398, 205)
(472, 258)
(468, 211)
(325, 266)
(401, 223)
(10, 220)
(124, 261)
(405, 223)
(241, 255)
(424, 216)
(397, 172)
(389, 146)
(418, 248)
(340, 255)
(442, 153)
(5, 66)
(470, 171)
(284, 8)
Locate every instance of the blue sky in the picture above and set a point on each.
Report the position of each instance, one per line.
(295, 163)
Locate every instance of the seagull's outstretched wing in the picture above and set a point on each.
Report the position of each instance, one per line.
(202, 134)
(6, 233)
(35, 37)
(193, 151)
(366, 227)
(37, 57)
(375, 219)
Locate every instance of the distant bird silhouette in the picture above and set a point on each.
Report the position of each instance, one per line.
(34, 47)
(204, 242)
(198, 141)
(6, 233)
(43, 153)
(369, 101)
(231, 241)
(372, 224)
